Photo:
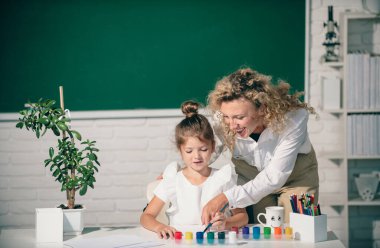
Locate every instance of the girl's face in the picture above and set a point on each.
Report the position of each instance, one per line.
(242, 117)
(196, 154)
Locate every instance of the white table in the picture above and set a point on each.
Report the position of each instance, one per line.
(25, 238)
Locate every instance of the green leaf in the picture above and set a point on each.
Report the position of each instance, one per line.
(62, 126)
(56, 173)
(83, 190)
(92, 156)
(51, 152)
(44, 131)
(38, 133)
(47, 162)
(76, 134)
(20, 125)
(43, 120)
(55, 130)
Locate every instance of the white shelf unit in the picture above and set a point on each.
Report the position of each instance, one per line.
(353, 205)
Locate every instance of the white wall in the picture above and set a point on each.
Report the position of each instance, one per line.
(135, 150)
(326, 133)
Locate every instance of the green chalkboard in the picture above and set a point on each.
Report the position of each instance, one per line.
(142, 54)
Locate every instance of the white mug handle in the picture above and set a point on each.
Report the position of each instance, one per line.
(258, 218)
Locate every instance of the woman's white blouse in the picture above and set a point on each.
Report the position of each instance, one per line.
(187, 200)
(274, 155)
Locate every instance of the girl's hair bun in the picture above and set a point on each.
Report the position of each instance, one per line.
(189, 108)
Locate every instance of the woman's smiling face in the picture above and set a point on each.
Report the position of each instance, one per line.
(242, 117)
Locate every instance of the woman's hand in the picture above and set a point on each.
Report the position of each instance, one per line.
(213, 207)
(219, 222)
(165, 232)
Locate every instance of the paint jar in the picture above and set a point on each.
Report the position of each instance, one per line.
(267, 232)
(235, 229)
(210, 238)
(245, 232)
(277, 232)
(188, 237)
(178, 237)
(289, 232)
(256, 232)
(232, 237)
(221, 238)
(199, 236)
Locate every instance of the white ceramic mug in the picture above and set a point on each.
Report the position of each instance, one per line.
(274, 216)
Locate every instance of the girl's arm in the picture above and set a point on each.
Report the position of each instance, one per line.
(239, 218)
(148, 219)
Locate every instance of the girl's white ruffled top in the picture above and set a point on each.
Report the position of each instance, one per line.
(186, 199)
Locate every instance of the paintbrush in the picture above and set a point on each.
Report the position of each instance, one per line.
(210, 224)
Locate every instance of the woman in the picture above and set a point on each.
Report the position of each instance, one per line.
(265, 129)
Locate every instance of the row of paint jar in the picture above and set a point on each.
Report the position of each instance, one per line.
(233, 235)
(210, 237)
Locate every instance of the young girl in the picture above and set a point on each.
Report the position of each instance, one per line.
(189, 189)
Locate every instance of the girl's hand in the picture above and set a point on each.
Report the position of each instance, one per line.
(219, 222)
(212, 207)
(165, 232)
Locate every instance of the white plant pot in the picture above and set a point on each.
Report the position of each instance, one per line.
(73, 223)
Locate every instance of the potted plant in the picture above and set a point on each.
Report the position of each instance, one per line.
(71, 166)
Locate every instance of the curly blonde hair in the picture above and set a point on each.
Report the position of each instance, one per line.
(275, 100)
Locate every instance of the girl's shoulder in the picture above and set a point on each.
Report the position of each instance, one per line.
(225, 174)
(171, 170)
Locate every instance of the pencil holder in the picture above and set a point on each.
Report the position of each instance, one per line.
(309, 228)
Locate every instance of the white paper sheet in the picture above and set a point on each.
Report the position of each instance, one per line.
(112, 241)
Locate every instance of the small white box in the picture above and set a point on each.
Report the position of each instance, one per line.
(331, 93)
(309, 228)
(49, 225)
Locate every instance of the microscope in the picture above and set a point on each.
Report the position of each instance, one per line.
(331, 38)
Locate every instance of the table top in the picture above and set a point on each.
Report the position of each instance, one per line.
(25, 238)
